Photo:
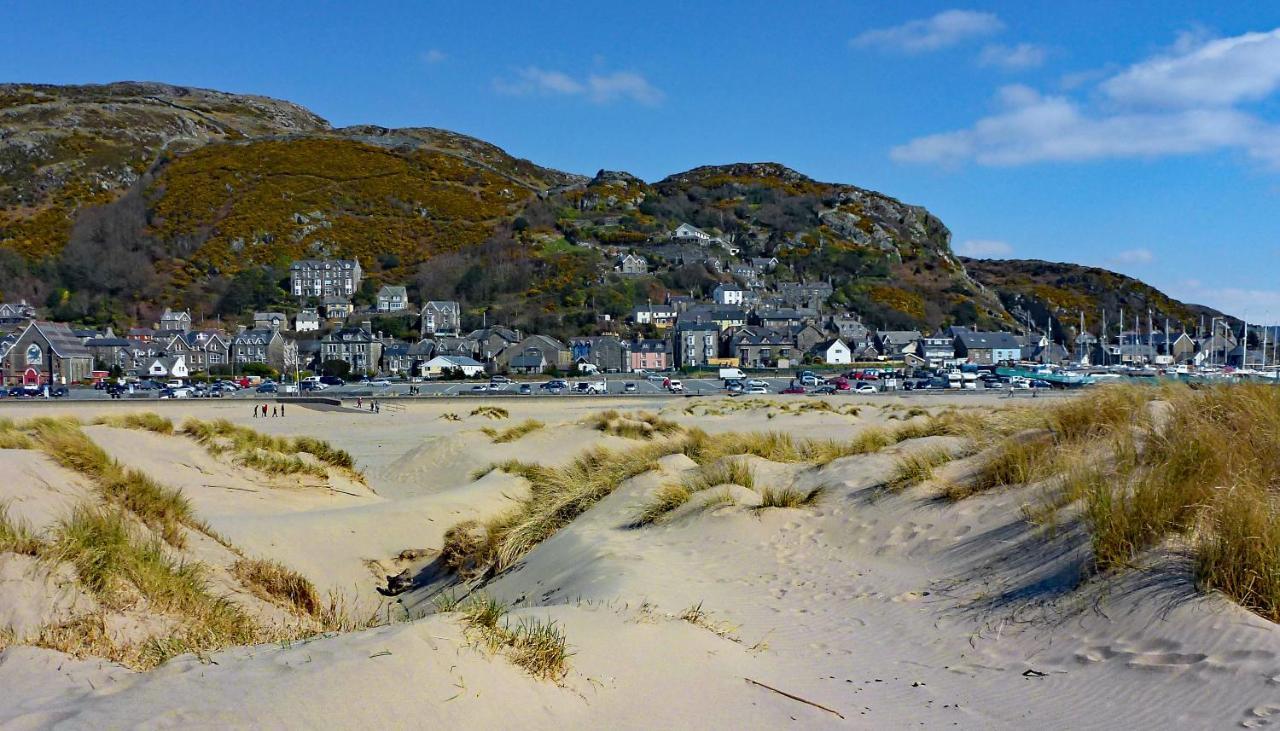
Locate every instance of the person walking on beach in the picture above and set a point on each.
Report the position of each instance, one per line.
(359, 403)
(275, 411)
(281, 411)
(255, 411)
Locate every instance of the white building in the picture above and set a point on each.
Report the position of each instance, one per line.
(441, 364)
(729, 294)
(307, 320)
(833, 352)
(169, 367)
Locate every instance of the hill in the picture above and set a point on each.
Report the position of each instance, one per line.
(1034, 290)
(118, 200)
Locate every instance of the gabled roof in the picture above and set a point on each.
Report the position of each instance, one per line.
(62, 341)
(457, 360)
(988, 341)
(390, 290)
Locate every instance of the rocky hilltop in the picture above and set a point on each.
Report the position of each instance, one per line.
(117, 200)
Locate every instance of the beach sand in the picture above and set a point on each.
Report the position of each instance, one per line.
(870, 609)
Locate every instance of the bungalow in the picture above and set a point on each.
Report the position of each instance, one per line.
(445, 364)
(46, 352)
(531, 360)
(169, 366)
(832, 352)
(987, 348)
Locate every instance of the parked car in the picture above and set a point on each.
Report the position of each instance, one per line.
(734, 387)
(675, 387)
(267, 387)
(825, 389)
(331, 381)
(554, 386)
(866, 388)
(793, 389)
(810, 379)
(628, 387)
(756, 390)
(525, 389)
(499, 379)
(60, 392)
(380, 383)
(756, 382)
(480, 388)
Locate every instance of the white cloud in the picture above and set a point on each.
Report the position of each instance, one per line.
(1219, 72)
(1013, 58)
(1133, 256)
(599, 88)
(1180, 103)
(434, 55)
(943, 30)
(984, 248)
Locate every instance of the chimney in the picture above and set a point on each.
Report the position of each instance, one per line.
(367, 326)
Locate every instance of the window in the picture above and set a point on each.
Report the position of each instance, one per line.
(34, 354)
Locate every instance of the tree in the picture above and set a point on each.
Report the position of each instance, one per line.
(338, 368)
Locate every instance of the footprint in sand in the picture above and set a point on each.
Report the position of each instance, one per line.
(1260, 716)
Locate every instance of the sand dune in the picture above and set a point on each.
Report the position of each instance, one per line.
(870, 608)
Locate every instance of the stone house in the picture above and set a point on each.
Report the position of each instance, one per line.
(392, 299)
(608, 353)
(987, 348)
(201, 350)
(325, 278)
(270, 321)
(263, 345)
(631, 264)
(760, 347)
(355, 346)
(441, 317)
(552, 352)
(174, 321)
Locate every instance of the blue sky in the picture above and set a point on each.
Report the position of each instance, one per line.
(1139, 136)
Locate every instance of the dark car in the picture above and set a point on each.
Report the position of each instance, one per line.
(826, 389)
(267, 388)
(17, 391)
(525, 389)
(60, 392)
(331, 381)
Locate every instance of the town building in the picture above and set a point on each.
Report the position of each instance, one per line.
(442, 365)
(354, 345)
(265, 346)
(441, 317)
(174, 321)
(761, 347)
(660, 316)
(392, 298)
(809, 295)
(533, 349)
(16, 313)
(607, 353)
(307, 320)
(650, 355)
(832, 352)
(729, 294)
(46, 352)
(631, 264)
(325, 278)
(270, 321)
(987, 348)
(695, 344)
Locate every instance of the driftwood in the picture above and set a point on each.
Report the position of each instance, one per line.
(785, 694)
(398, 584)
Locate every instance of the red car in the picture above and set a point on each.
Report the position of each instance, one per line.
(793, 389)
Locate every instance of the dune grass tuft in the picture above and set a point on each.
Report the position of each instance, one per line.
(161, 508)
(636, 425)
(16, 535)
(537, 646)
(511, 434)
(145, 420)
(13, 436)
(273, 582)
(789, 497)
(490, 412)
(727, 471)
(1017, 460)
(917, 467)
(267, 453)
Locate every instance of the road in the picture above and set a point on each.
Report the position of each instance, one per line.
(616, 384)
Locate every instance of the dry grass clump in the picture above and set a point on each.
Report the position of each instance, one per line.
(501, 436)
(273, 582)
(537, 646)
(490, 412)
(789, 497)
(636, 425)
(726, 471)
(147, 421)
(270, 454)
(163, 509)
(917, 467)
(450, 416)
(13, 437)
(16, 535)
(117, 565)
(1017, 460)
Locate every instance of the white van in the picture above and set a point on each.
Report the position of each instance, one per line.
(731, 374)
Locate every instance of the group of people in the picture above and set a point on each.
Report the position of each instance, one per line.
(261, 410)
(374, 406)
